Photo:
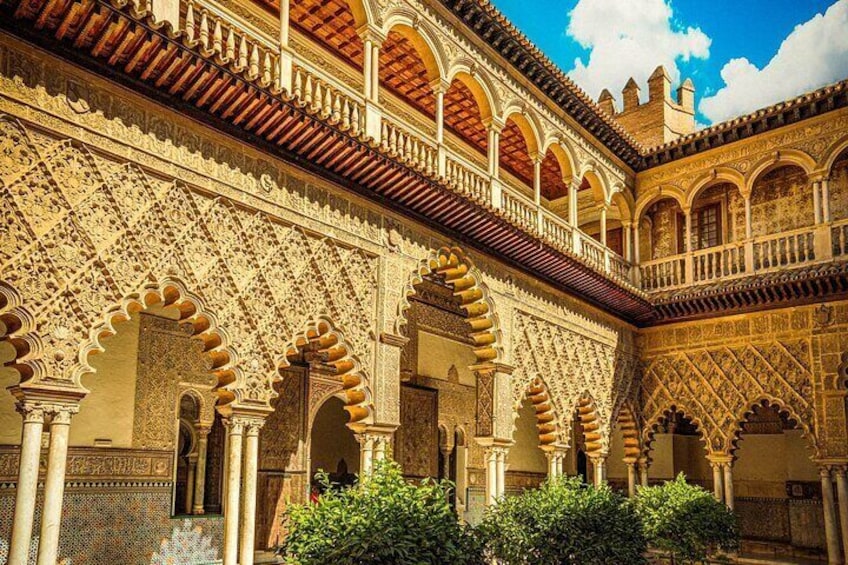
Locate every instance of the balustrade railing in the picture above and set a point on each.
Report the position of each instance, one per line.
(839, 238)
(408, 147)
(784, 249)
(714, 263)
(335, 106)
(520, 210)
(467, 181)
(557, 232)
(592, 251)
(664, 273)
(245, 51)
(246, 48)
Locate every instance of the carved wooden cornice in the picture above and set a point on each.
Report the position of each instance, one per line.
(794, 287)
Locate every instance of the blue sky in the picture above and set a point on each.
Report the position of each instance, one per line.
(742, 54)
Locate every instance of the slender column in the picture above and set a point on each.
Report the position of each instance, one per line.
(461, 477)
(643, 472)
(537, 181)
(491, 476)
(553, 462)
(191, 478)
(842, 491)
(440, 115)
(251, 464)
(33, 416)
(600, 464)
(631, 479)
(446, 460)
(572, 204)
(687, 233)
(200, 473)
(817, 207)
(381, 447)
(825, 200)
(830, 528)
(748, 221)
(728, 484)
(718, 481)
(627, 230)
(501, 458)
(603, 221)
(54, 484)
(286, 56)
(235, 430)
(367, 67)
(366, 454)
(375, 71)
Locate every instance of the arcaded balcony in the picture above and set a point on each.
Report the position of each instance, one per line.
(789, 214)
(392, 85)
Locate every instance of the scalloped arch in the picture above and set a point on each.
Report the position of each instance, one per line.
(806, 428)
(546, 413)
(662, 416)
(456, 269)
(18, 328)
(190, 310)
(328, 344)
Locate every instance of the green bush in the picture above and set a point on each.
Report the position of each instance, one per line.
(564, 523)
(382, 521)
(686, 522)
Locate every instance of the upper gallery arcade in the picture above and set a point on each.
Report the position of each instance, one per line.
(246, 240)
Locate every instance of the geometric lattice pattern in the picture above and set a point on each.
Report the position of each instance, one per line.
(81, 233)
(716, 387)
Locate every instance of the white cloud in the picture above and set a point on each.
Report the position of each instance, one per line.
(630, 38)
(813, 55)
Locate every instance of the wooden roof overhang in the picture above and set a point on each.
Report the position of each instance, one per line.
(130, 48)
(791, 287)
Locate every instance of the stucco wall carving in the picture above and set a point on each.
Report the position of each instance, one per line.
(715, 372)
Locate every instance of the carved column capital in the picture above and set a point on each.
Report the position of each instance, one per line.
(31, 412)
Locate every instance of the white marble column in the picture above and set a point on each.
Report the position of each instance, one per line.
(501, 461)
(366, 454)
(825, 199)
(54, 483)
(728, 484)
(191, 462)
(491, 476)
(200, 473)
(631, 479)
(718, 481)
(554, 464)
(842, 492)
(367, 67)
(235, 431)
(831, 530)
(22, 522)
(603, 224)
(251, 467)
(643, 472)
(600, 466)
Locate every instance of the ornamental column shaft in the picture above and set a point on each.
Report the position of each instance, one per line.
(27, 486)
(191, 463)
(718, 481)
(842, 491)
(235, 430)
(501, 460)
(817, 205)
(367, 67)
(54, 484)
(830, 528)
(200, 473)
(643, 473)
(251, 464)
(728, 484)
(825, 200)
(631, 480)
(491, 476)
